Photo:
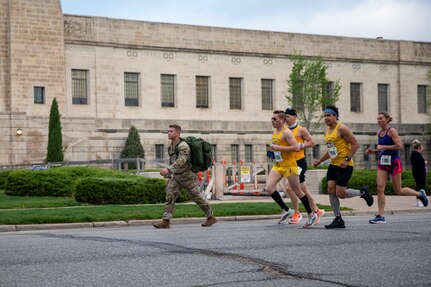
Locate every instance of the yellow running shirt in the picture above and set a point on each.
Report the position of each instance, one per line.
(288, 160)
(338, 148)
(301, 153)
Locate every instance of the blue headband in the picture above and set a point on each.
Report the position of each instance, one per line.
(330, 111)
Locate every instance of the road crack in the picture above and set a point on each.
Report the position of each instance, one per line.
(273, 269)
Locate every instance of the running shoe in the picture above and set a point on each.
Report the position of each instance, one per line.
(378, 219)
(319, 213)
(311, 220)
(296, 218)
(336, 223)
(367, 195)
(418, 204)
(285, 215)
(423, 197)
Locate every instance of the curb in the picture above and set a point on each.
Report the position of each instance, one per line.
(189, 220)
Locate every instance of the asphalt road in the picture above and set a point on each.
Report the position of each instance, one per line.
(243, 253)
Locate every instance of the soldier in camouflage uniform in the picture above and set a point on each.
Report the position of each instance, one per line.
(181, 176)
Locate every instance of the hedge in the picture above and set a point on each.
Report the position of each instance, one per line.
(38, 183)
(369, 178)
(120, 190)
(87, 184)
(58, 181)
(3, 177)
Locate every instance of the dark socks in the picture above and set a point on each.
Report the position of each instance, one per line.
(304, 201)
(277, 198)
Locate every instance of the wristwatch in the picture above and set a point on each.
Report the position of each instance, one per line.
(348, 158)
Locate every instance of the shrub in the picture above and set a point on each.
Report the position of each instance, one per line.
(133, 147)
(85, 171)
(96, 185)
(55, 141)
(369, 177)
(39, 183)
(3, 177)
(120, 190)
(59, 181)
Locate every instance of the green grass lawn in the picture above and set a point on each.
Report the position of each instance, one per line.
(37, 210)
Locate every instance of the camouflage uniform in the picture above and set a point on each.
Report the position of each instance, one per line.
(182, 177)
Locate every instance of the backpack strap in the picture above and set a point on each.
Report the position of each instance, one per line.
(176, 146)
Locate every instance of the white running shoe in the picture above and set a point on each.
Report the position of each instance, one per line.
(285, 215)
(311, 220)
(319, 213)
(418, 204)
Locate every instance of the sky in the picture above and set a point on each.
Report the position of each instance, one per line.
(391, 19)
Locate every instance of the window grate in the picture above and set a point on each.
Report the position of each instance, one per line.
(131, 89)
(267, 94)
(79, 87)
(168, 90)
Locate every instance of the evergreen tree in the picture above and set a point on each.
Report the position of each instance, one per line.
(133, 147)
(55, 141)
(310, 90)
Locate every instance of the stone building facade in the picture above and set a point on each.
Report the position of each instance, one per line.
(86, 62)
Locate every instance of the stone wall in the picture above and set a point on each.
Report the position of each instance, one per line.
(142, 34)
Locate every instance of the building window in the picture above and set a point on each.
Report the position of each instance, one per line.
(327, 94)
(214, 149)
(39, 95)
(316, 151)
(79, 87)
(168, 90)
(234, 151)
(355, 97)
(267, 94)
(131, 89)
(202, 91)
(248, 153)
(235, 93)
(422, 99)
(382, 91)
(160, 149)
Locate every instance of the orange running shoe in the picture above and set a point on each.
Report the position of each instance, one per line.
(319, 213)
(296, 218)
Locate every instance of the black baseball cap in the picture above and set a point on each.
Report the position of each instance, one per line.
(291, 111)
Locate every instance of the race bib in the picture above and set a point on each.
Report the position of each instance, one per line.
(332, 151)
(385, 160)
(277, 156)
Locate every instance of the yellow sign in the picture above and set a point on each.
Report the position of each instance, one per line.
(245, 174)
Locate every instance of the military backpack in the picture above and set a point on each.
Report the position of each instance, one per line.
(201, 153)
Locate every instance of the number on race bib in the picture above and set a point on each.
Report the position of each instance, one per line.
(332, 151)
(385, 160)
(277, 156)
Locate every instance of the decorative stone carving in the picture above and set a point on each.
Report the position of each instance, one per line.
(202, 58)
(168, 56)
(236, 60)
(384, 68)
(422, 51)
(77, 26)
(267, 62)
(132, 54)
